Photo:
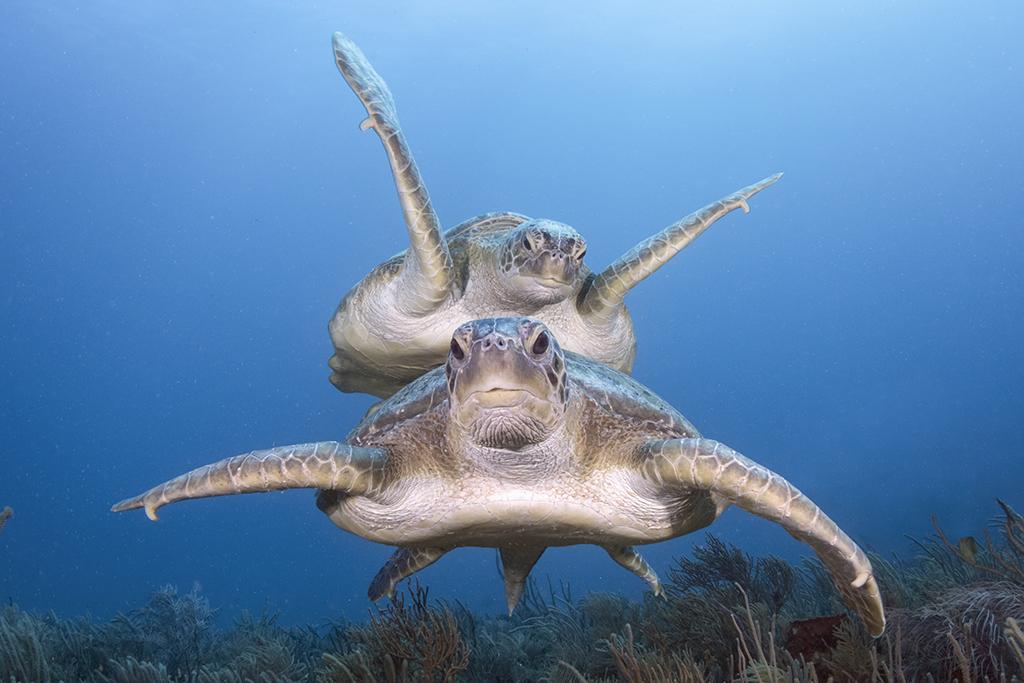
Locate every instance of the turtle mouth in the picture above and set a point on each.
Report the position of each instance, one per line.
(500, 397)
(551, 282)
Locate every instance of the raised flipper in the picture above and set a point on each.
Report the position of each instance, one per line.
(403, 564)
(714, 467)
(628, 557)
(611, 286)
(516, 563)
(427, 272)
(325, 465)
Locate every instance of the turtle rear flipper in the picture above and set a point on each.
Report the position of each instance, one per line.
(629, 558)
(350, 377)
(403, 564)
(709, 465)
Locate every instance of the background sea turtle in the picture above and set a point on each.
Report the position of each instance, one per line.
(516, 445)
(395, 324)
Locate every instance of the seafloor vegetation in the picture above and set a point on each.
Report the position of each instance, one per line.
(955, 613)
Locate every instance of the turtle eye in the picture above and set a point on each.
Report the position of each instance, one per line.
(457, 352)
(527, 243)
(540, 344)
(579, 256)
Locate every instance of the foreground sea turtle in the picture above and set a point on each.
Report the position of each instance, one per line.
(395, 324)
(516, 445)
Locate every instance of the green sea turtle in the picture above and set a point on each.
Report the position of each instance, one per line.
(517, 445)
(395, 324)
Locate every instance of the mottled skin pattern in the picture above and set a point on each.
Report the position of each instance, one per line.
(517, 445)
(395, 324)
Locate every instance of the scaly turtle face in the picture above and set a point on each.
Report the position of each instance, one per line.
(506, 382)
(540, 261)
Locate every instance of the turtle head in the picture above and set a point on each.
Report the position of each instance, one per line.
(540, 262)
(506, 382)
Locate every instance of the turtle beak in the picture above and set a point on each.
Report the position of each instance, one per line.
(498, 373)
(557, 271)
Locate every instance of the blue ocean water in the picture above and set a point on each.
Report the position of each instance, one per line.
(185, 195)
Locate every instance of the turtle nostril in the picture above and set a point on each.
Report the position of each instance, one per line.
(500, 343)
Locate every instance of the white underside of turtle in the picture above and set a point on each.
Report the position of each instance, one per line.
(610, 507)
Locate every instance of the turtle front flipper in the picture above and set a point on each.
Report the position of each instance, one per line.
(427, 272)
(403, 564)
(328, 465)
(698, 463)
(611, 286)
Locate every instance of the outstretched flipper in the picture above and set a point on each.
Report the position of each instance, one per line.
(612, 285)
(629, 558)
(714, 467)
(325, 465)
(427, 272)
(403, 564)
